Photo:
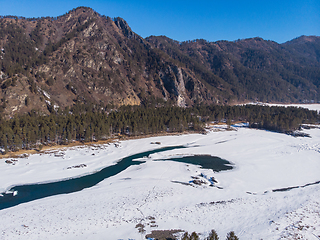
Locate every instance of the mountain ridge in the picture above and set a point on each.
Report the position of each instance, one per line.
(82, 57)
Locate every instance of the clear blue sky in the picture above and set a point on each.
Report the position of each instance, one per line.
(280, 20)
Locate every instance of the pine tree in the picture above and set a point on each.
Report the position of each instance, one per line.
(185, 236)
(231, 236)
(194, 236)
(3, 141)
(213, 235)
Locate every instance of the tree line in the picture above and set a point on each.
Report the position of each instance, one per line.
(275, 118)
(212, 236)
(88, 122)
(84, 123)
(168, 235)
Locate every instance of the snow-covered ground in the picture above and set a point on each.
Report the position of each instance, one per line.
(152, 194)
(314, 106)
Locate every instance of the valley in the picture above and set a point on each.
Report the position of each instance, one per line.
(151, 194)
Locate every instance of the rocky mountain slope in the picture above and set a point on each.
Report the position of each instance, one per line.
(84, 57)
(254, 68)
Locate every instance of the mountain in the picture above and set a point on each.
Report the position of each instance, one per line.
(254, 68)
(83, 57)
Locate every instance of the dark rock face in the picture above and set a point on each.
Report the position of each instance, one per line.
(124, 27)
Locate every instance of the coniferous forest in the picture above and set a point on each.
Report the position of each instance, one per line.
(88, 122)
(61, 78)
(85, 57)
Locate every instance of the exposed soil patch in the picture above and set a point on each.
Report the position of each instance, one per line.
(164, 234)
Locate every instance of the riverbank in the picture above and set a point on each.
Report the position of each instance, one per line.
(156, 195)
(50, 147)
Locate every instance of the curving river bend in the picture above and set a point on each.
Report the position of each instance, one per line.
(26, 193)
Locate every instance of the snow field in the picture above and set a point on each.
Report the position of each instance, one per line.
(153, 194)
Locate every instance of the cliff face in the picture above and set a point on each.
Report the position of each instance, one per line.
(85, 57)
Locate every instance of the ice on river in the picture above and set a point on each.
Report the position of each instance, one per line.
(159, 195)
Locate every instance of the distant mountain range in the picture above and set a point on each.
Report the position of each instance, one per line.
(85, 57)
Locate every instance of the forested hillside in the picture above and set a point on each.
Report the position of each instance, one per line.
(255, 69)
(84, 57)
(83, 76)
